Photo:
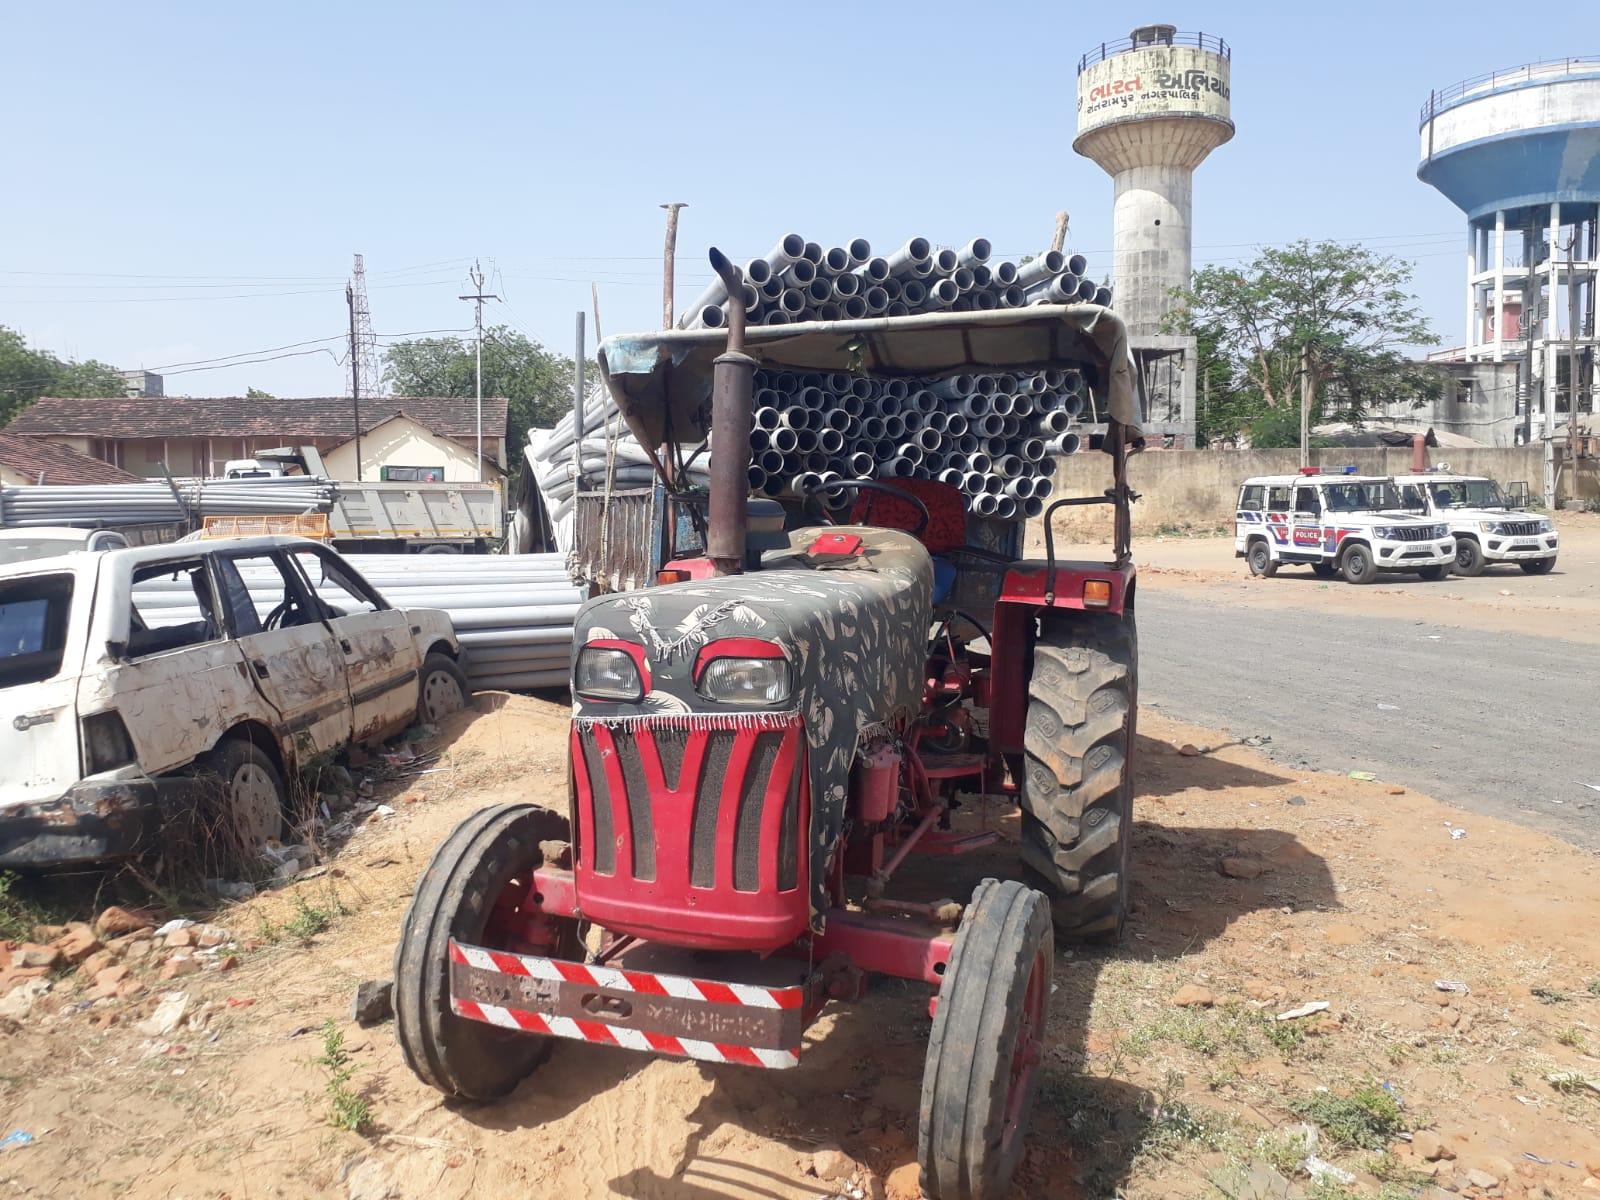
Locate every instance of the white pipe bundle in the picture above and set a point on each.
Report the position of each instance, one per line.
(917, 278)
(512, 613)
(154, 502)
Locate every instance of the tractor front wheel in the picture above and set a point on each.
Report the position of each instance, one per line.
(983, 1054)
(1077, 779)
(470, 892)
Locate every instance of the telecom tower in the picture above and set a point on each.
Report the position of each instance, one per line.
(365, 355)
(1150, 109)
(1519, 152)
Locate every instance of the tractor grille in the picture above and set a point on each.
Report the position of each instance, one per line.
(706, 832)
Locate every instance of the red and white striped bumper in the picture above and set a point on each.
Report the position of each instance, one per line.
(669, 1014)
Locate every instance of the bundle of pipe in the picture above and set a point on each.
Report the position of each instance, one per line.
(512, 613)
(800, 281)
(151, 503)
(993, 436)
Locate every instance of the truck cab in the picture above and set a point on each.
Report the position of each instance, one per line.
(1353, 526)
(1486, 528)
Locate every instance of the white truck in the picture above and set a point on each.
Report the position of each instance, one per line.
(420, 515)
(1487, 529)
(1340, 524)
(129, 707)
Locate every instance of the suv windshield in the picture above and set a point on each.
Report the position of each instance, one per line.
(33, 627)
(1372, 495)
(1466, 493)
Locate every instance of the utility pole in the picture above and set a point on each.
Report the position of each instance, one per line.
(577, 408)
(1572, 355)
(1305, 405)
(478, 296)
(355, 371)
(669, 260)
(1059, 242)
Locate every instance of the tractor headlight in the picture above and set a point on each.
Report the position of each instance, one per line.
(746, 681)
(605, 673)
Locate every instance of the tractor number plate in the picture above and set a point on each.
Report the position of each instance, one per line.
(638, 1010)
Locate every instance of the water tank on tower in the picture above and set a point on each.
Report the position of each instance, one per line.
(1518, 151)
(1150, 109)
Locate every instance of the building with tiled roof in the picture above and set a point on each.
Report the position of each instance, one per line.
(32, 460)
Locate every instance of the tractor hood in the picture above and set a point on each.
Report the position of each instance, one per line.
(662, 381)
(853, 628)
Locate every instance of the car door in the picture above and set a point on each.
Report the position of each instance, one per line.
(291, 653)
(1306, 536)
(381, 659)
(41, 648)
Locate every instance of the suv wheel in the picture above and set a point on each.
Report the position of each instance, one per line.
(1357, 566)
(1324, 570)
(1469, 556)
(1259, 556)
(1537, 566)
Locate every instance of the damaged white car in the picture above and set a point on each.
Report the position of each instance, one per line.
(140, 682)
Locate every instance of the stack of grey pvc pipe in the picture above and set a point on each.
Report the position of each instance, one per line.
(800, 281)
(153, 503)
(995, 437)
(616, 459)
(513, 613)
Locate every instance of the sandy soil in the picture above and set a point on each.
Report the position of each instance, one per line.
(1363, 900)
(1564, 604)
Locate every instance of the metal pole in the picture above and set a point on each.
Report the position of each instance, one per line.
(669, 261)
(1305, 405)
(1059, 242)
(478, 296)
(355, 373)
(577, 404)
(1572, 354)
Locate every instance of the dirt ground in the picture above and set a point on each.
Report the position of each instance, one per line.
(1565, 603)
(1336, 890)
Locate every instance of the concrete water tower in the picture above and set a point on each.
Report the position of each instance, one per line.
(1150, 109)
(1518, 151)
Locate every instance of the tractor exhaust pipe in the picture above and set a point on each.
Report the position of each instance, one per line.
(731, 415)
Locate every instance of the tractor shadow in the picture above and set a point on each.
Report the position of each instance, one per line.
(858, 1086)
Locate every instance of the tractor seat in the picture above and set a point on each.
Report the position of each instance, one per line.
(946, 535)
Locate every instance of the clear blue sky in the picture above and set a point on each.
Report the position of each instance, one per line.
(244, 152)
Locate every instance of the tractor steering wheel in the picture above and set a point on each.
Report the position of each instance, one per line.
(877, 485)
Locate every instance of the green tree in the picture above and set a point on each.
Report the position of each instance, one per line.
(1339, 312)
(26, 374)
(536, 382)
(258, 394)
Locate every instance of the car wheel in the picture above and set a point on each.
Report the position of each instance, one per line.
(443, 689)
(1469, 557)
(252, 790)
(1357, 566)
(1259, 556)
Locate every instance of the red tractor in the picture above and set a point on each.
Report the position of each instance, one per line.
(757, 748)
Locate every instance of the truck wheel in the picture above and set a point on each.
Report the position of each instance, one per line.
(253, 794)
(1259, 556)
(483, 860)
(1324, 570)
(1469, 556)
(439, 549)
(1537, 566)
(1077, 779)
(1357, 566)
(442, 689)
(983, 1054)
(1433, 574)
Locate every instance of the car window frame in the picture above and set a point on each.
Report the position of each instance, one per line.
(1260, 504)
(293, 581)
(1288, 498)
(347, 576)
(155, 570)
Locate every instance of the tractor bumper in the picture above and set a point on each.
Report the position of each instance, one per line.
(755, 1023)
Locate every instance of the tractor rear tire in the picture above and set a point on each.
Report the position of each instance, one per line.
(1077, 779)
(454, 899)
(988, 1031)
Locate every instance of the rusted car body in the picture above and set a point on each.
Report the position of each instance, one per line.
(125, 671)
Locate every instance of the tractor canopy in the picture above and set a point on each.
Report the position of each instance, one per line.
(662, 381)
(852, 627)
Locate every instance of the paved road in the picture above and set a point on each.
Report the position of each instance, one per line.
(1493, 722)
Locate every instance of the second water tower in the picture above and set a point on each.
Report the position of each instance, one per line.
(1150, 109)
